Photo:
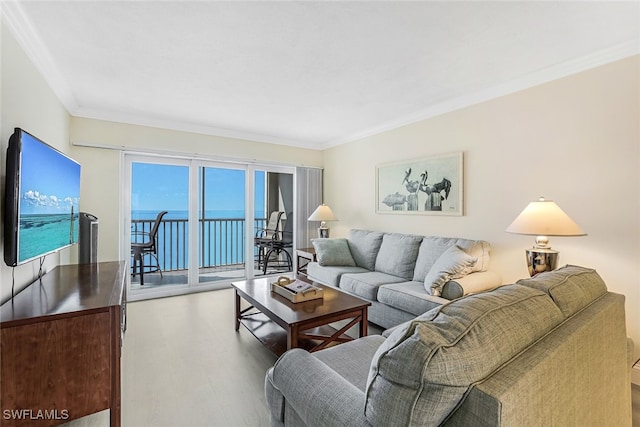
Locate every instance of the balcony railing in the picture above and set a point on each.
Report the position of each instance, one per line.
(221, 241)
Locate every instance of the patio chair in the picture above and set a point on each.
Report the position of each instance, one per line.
(146, 244)
(280, 246)
(264, 236)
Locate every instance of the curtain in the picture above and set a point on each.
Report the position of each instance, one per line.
(309, 197)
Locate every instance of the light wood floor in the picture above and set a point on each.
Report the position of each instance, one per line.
(183, 364)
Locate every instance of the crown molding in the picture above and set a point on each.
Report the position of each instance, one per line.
(545, 75)
(182, 126)
(29, 40)
(27, 37)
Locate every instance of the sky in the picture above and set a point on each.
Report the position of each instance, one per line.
(50, 181)
(158, 187)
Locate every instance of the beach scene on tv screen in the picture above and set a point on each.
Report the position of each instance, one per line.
(49, 200)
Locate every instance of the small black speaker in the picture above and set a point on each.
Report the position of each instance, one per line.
(88, 239)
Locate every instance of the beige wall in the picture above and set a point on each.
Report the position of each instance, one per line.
(101, 192)
(575, 140)
(27, 102)
(133, 137)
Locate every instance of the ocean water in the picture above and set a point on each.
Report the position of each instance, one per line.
(42, 233)
(220, 242)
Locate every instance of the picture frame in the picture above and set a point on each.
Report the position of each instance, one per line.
(427, 186)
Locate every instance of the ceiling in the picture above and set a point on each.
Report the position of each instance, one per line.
(309, 74)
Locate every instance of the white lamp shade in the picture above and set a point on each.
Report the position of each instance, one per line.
(323, 213)
(544, 218)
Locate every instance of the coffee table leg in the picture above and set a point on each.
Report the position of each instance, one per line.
(292, 337)
(363, 323)
(237, 311)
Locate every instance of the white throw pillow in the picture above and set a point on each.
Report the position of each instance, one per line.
(454, 263)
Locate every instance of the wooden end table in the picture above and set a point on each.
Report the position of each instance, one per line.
(282, 325)
(303, 257)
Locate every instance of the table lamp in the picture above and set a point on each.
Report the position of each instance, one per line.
(323, 213)
(542, 219)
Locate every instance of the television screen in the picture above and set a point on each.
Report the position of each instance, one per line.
(41, 199)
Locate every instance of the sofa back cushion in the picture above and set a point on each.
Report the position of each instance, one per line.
(432, 248)
(364, 246)
(422, 371)
(571, 287)
(397, 254)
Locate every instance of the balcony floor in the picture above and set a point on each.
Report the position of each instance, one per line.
(207, 275)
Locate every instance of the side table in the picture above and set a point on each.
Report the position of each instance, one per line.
(303, 257)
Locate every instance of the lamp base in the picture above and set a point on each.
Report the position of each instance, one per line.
(541, 259)
(323, 232)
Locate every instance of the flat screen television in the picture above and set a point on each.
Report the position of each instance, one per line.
(42, 196)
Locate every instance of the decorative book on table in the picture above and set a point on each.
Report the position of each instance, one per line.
(296, 290)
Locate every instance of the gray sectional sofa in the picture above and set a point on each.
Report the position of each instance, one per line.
(546, 351)
(403, 275)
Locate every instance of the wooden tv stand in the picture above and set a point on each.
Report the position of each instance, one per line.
(60, 342)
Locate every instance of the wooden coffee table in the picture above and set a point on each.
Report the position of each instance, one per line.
(281, 325)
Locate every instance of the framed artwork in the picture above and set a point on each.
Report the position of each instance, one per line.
(428, 186)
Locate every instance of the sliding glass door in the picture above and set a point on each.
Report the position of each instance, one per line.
(221, 223)
(195, 224)
(159, 222)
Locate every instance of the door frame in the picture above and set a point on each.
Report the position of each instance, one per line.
(250, 231)
(194, 279)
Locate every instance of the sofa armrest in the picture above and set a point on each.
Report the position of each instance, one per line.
(318, 394)
(471, 283)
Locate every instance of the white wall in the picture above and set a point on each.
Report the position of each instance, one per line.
(575, 140)
(28, 102)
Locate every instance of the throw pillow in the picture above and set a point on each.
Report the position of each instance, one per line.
(333, 252)
(454, 263)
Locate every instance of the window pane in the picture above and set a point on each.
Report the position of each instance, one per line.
(164, 256)
(221, 228)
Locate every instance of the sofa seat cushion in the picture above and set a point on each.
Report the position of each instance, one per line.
(432, 248)
(364, 246)
(571, 287)
(366, 285)
(409, 296)
(423, 370)
(397, 254)
(333, 252)
(330, 275)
